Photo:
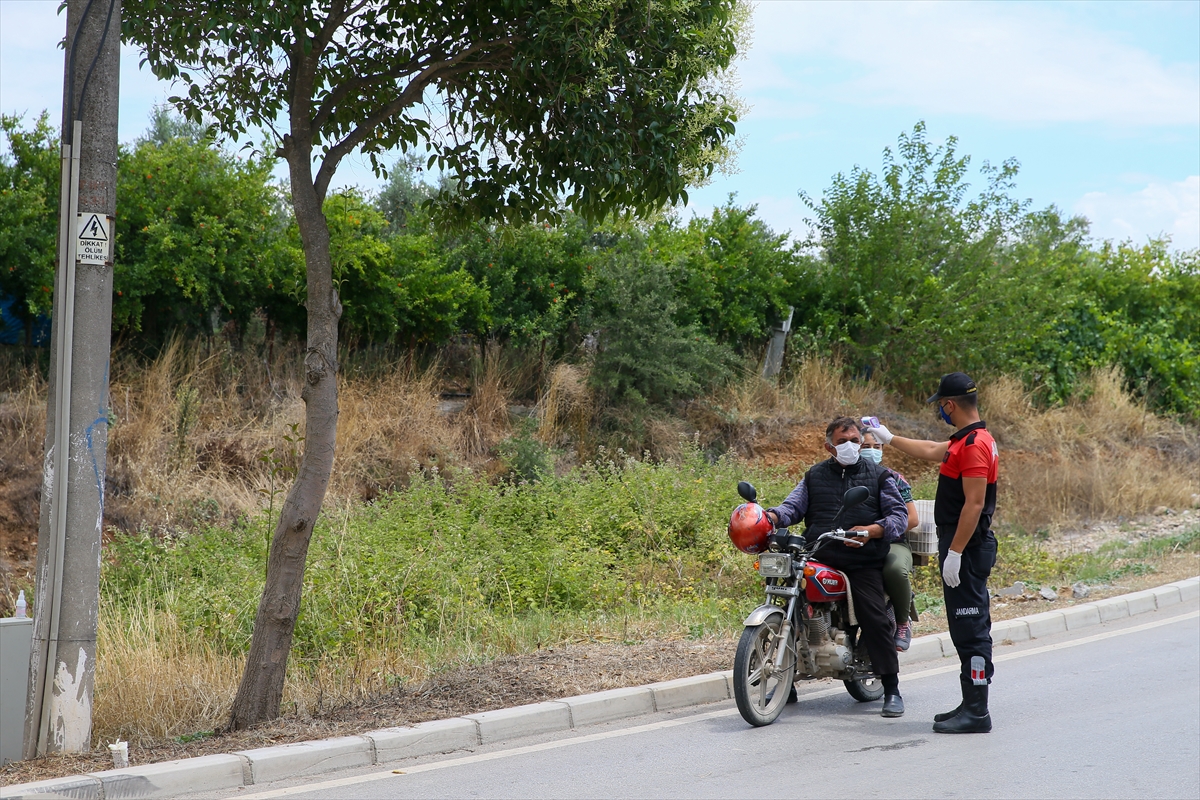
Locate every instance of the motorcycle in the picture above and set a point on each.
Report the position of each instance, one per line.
(807, 627)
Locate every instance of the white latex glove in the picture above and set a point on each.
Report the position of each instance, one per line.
(950, 568)
(881, 433)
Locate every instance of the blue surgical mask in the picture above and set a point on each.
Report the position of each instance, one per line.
(945, 417)
(871, 454)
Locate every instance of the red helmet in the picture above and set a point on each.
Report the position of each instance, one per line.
(749, 527)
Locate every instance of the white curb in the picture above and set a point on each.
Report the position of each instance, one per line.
(694, 691)
(1140, 602)
(1046, 623)
(1189, 589)
(1083, 616)
(211, 773)
(77, 787)
(306, 758)
(172, 778)
(1113, 608)
(509, 723)
(1167, 595)
(614, 704)
(427, 738)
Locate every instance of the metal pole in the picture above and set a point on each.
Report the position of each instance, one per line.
(62, 659)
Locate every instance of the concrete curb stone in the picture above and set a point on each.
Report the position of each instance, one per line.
(172, 778)
(426, 738)
(1168, 595)
(1189, 589)
(306, 758)
(507, 723)
(1140, 602)
(1046, 623)
(922, 648)
(1014, 630)
(1113, 608)
(613, 704)
(693, 691)
(77, 787)
(208, 773)
(1083, 616)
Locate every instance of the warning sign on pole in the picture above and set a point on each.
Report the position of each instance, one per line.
(94, 245)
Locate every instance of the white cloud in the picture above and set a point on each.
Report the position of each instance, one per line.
(1159, 208)
(1011, 62)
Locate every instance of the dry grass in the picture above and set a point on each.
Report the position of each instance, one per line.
(153, 681)
(1102, 456)
(485, 418)
(389, 426)
(815, 390)
(566, 410)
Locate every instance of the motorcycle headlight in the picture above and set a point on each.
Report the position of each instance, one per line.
(775, 565)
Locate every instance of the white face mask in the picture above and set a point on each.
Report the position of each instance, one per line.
(847, 453)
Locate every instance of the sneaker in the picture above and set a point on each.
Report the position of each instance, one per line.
(903, 637)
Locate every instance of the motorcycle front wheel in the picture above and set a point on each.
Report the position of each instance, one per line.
(759, 687)
(865, 690)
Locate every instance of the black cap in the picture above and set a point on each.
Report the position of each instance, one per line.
(956, 384)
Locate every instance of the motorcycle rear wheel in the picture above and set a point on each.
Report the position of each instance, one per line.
(762, 693)
(865, 690)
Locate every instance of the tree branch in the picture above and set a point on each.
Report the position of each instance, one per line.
(354, 85)
(411, 94)
(304, 67)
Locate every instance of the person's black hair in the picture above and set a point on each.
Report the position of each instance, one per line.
(966, 400)
(840, 424)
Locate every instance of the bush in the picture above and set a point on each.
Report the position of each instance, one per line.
(643, 355)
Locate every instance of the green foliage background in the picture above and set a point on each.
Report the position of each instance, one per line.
(905, 274)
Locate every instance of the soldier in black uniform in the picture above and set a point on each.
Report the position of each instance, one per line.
(962, 512)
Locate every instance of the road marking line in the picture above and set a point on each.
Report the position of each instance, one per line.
(672, 723)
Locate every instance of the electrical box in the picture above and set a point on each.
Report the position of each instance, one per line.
(16, 637)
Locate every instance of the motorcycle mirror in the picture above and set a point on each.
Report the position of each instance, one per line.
(750, 494)
(855, 496)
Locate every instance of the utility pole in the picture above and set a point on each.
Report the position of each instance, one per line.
(62, 664)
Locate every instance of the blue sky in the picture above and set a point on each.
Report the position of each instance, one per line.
(1099, 101)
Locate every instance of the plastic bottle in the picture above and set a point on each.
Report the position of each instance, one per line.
(21, 604)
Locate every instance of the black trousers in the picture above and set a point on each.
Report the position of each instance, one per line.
(968, 607)
(876, 629)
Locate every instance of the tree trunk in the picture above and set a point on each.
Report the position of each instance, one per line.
(261, 689)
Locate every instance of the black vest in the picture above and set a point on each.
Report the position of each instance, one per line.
(827, 482)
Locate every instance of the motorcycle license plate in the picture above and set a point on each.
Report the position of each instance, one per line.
(775, 565)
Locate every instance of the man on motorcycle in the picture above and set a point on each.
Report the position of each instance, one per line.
(881, 519)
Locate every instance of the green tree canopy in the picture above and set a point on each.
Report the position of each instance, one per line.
(197, 237)
(29, 179)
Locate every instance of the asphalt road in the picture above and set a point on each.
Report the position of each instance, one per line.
(1113, 711)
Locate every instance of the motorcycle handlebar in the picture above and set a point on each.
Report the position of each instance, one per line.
(840, 535)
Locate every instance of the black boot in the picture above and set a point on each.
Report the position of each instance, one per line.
(945, 715)
(893, 706)
(974, 717)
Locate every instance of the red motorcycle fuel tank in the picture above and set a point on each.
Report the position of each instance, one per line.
(824, 584)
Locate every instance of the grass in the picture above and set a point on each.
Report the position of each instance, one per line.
(432, 551)
(433, 576)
